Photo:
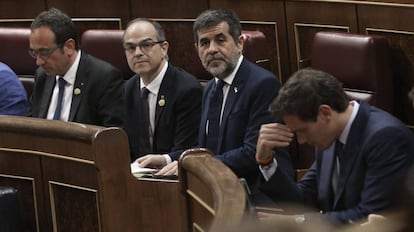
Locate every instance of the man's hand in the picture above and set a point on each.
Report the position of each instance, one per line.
(152, 161)
(170, 169)
(272, 135)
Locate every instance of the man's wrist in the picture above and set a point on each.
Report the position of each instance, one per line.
(266, 161)
(167, 158)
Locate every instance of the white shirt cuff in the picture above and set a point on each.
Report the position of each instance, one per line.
(167, 158)
(269, 169)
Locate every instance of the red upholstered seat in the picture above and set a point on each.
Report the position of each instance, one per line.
(107, 45)
(360, 62)
(254, 46)
(14, 52)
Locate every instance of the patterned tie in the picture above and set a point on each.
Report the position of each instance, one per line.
(213, 117)
(58, 110)
(145, 135)
(337, 170)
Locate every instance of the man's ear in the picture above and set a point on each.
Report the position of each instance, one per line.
(241, 43)
(325, 112)
(165, 47)
(69, 46)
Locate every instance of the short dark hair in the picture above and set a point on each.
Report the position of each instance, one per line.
(305, 91)
(59, 23)
(213, 17)
(158, 28)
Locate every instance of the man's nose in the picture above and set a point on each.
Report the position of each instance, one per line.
(212, 47)
(138, 51)
(39, 61)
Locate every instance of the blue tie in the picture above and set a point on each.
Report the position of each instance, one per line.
(58, 110)
(213, 117)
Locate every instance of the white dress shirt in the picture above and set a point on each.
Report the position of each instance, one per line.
(271, 168)
(69, 77)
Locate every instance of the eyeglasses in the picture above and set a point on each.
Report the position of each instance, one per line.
(144, 46)
(43, 53)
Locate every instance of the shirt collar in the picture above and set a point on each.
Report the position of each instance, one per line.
(344, 135)
(154, 85)
(229, 79)
(70, 75)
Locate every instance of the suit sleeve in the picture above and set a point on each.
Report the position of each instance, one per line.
(282, 188)
(389, 155)
(110, 103)
(187, 121)
(13, 97)
(35, 100)
(241, 159)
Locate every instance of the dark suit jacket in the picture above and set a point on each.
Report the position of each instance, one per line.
(100, 100)
(246, 109)
(176, 123)
(376, 156)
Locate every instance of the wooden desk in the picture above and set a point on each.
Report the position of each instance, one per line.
(75, 177)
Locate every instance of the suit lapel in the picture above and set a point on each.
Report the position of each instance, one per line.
(79, 86)
(325, 188)
(233, 95)
(234, 91)
(47, 96)
(204, 112)
(352, 148)
(163, 97)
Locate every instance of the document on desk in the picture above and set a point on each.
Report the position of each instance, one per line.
(136, 170)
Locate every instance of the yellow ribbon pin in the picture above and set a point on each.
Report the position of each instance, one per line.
(77, 91)
(161, 102)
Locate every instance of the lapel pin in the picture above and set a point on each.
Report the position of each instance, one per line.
(77, 91)
(236, 90)
(161, 102)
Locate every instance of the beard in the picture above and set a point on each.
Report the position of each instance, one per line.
(219, 66)
(218, 69)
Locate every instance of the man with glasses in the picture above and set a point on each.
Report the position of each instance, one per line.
(162, 102)
(71, 85)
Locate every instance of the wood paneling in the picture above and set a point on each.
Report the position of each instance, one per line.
(75, 177)
(93, 8)
(215, 198)
(161, 200)
(395, 23)
(306, 18)
(271, 45)
(12, 9)
(258, 10)
(182, 52)
(28, 182)
(182, 9)
(267, 12)
(68, 201)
